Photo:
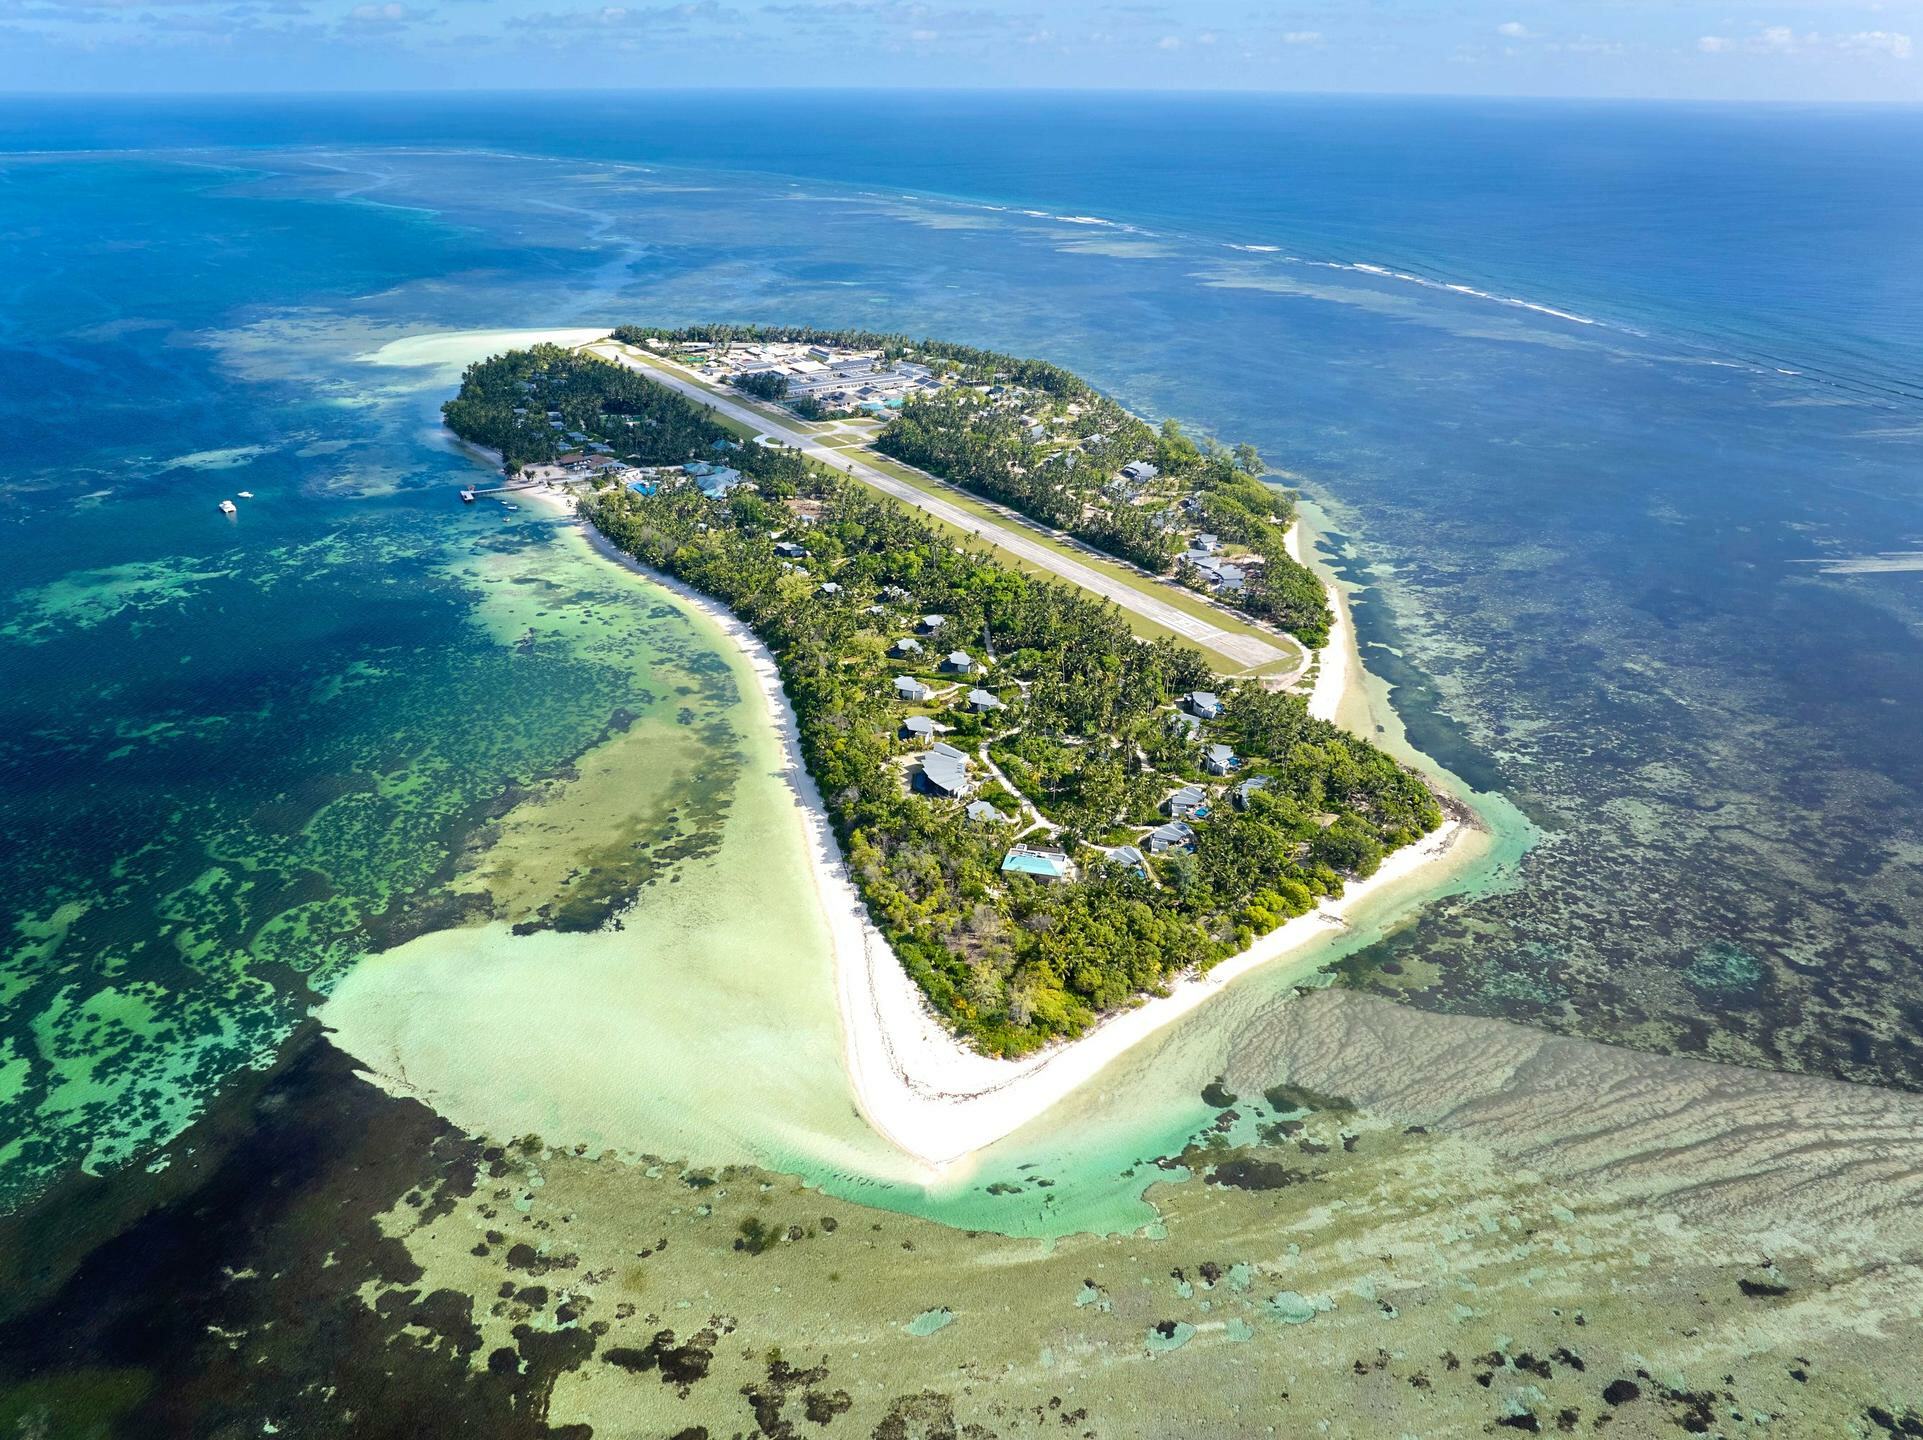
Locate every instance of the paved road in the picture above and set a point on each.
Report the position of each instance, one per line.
(1250, 650)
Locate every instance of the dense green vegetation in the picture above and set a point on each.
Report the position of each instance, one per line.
(762, 387)
(1090, 735)
(1057, 460)
(505, 403)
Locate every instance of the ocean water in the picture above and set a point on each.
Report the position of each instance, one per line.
(1611, 412)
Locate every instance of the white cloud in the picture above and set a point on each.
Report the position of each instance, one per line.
(1781, 40)
(1589, 45)
(1890, 42)
(1514, 29)
(1169, 42)
(1302, 37)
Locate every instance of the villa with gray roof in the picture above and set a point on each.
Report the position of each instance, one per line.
(944, 772)
(1247, 788)
(908, 688)
(1191, 802)
(1176, 835)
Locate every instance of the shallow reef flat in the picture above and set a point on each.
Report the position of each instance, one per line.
(1570, 1239)
(1327, 1268)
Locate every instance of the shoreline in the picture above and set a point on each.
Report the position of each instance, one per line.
(917, 1086)
(1335, 659)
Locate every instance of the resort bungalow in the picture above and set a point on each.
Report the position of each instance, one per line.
(1203, 704)
(1218, 759)
(931, 623)
(829, 589)
(1191, 802)
(982, 701)
(715, 480)
(1176, 835)
(1040, 864)
(905, 647)
(1131, 858)
(944, 772)
(959, 662)
(980, 812)
(1220, 575)
(788, 550)
(1247, 788)
(908, 688)
(1140, 471)
(919, 727)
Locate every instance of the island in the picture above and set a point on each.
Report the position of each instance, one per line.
(1047, 815)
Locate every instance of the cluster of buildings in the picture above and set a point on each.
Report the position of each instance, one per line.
(836, 378)
(1191, 804)
(945, 772)
(1219, 574)
(714, 478)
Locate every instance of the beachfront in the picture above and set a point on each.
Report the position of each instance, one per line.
(917, 1085)
(935, 1100)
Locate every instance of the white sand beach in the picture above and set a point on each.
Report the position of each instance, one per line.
(450, 352)
(1339, 659)
(918, 1086)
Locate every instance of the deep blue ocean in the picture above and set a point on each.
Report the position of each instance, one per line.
(1616, 410)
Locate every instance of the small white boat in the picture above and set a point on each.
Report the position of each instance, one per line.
(245, 494)
(228, 507)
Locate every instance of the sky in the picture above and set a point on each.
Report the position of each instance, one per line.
(1793, 50)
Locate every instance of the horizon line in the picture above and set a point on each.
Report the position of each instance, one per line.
(1134, 93)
